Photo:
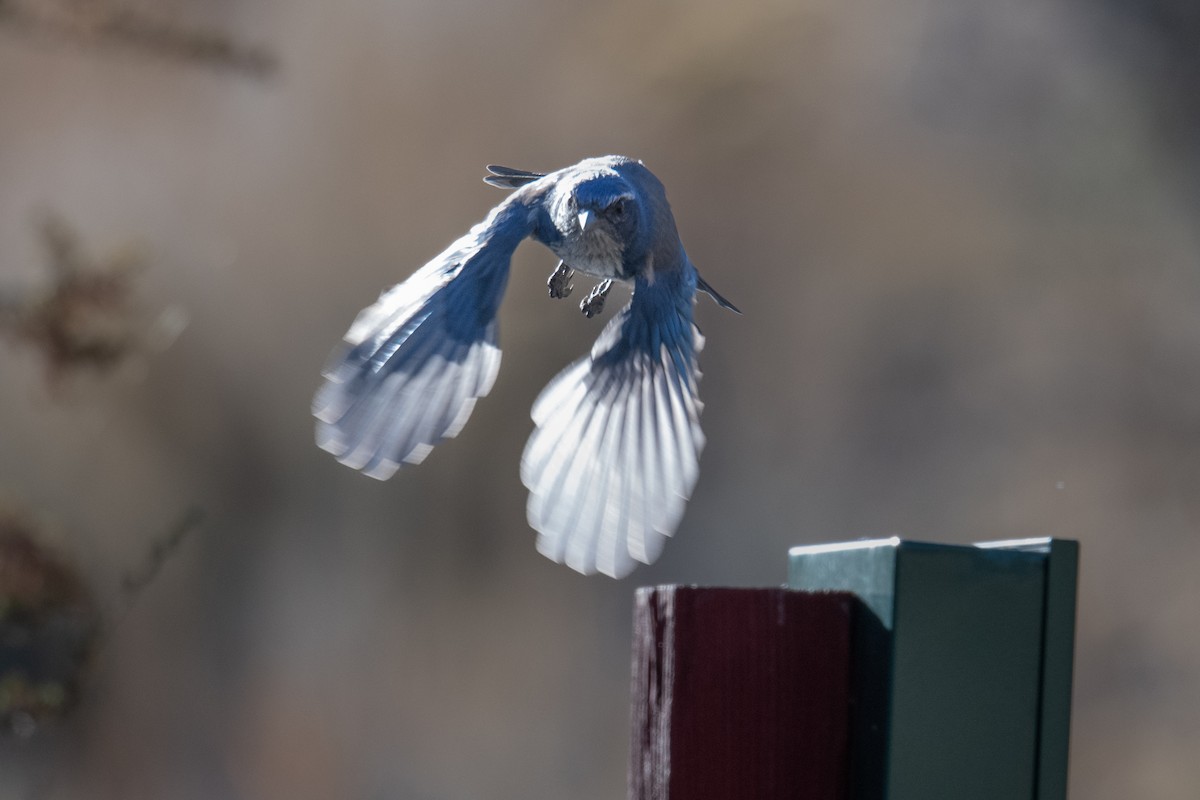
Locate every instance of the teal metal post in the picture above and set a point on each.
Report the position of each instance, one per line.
(964, 654)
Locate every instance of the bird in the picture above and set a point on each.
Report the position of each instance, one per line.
(614, 454)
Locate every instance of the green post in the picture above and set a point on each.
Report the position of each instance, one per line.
(965, 654)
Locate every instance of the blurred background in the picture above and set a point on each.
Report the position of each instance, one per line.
(964, 236)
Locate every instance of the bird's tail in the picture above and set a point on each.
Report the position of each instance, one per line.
(615, 453)
(414, 363)
(703, 286)
(510, 178)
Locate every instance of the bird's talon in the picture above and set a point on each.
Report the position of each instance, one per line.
(559, 284)
(593, 304)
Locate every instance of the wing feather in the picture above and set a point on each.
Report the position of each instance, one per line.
(615, 451)
(414, 363)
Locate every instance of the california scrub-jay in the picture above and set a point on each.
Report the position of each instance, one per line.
(615, 453)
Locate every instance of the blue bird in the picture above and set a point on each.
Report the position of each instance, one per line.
(615, 452)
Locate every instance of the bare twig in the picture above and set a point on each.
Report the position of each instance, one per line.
(161, 550)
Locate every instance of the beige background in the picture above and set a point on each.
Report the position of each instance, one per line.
(964, 236)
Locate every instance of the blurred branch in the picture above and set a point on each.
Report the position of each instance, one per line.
(161, 549)
(86, 318)
(48, 629)
(106, 22)
(51, 630)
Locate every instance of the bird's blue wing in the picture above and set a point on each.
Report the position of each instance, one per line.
(615, 453)
(414, 363)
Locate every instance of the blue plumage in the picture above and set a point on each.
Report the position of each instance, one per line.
(615, 453)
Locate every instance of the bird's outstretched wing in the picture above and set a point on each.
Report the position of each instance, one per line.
(415, 362)
(615, 453)
(509, 178)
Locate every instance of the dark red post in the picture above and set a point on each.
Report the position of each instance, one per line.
(740, 694)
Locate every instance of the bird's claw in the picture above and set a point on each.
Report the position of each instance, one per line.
(559, 283)
(593, 304)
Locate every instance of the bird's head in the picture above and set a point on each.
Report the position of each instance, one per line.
(606, 203)
(599, 208)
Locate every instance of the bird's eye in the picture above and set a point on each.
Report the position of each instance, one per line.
(617, 209)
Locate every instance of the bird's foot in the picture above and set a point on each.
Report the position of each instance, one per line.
(593, 304)
(559, 283)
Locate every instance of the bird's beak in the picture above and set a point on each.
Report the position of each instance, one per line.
(586, 218)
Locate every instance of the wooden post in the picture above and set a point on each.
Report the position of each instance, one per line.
(971, 659)
(740, 693)
(890, 669)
